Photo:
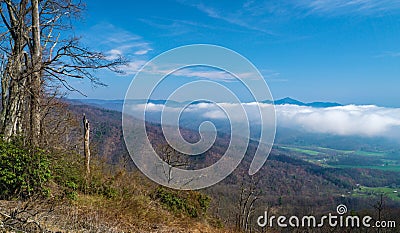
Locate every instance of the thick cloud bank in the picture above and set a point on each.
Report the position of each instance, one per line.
(366, 120)
(349, 120)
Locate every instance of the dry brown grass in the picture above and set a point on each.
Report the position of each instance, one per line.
(94, 214)
(132, 209)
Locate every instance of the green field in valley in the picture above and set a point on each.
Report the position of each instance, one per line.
(392, 193)
(345, 158)
(383, 168)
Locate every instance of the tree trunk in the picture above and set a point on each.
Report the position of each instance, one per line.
(11, 110)
(86, 148)
(4, 95)
(36, 75)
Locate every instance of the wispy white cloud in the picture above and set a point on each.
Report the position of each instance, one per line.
(169, 27)
(107, 35)
(114, 54)
(197, 72)
(118, 42)
(143, 51)
(133, 67)
(388, 54)
(239, 17)
(262, 15)
(272, 76)
(210, 74)
(176, 27)
(341, 7)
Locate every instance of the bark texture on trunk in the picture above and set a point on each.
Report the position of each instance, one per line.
(86, 145)
(36, 75)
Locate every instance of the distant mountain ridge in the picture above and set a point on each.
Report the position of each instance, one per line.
(291, 101)
(118, 104)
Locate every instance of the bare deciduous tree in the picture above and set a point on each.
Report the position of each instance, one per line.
(39, 53)
(249, 194)
(173, 158)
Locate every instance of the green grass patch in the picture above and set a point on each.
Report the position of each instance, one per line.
(368, 153)
(363, 191)
(300, 150)
(382, 168)
(325, 149)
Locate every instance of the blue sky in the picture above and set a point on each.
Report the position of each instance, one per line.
(311, 50)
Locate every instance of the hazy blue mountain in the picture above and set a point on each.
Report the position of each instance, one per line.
(117, 105)
(289, 100)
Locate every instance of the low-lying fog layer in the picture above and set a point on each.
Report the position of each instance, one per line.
(349, 120)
